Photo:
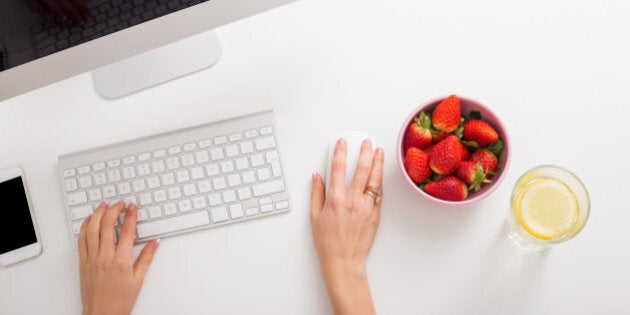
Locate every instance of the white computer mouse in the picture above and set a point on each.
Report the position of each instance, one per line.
(354, 139)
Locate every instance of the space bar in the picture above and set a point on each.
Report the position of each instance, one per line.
(173, 224)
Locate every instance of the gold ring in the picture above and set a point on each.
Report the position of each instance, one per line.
(373, 192)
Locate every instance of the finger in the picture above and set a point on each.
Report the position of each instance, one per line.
(94, 229)
(364, 166)
(82, 8)
(127, 234)
(338, 167)
(83, 250)
(70, 11)
(108, 229)
(38, 7)
(317, 194)
(53, 8)
(144, 260)
(376, 174)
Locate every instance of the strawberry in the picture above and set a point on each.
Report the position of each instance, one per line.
(446, 115)
(472, 174)
(444, 156)
(417, 165)
(464, 152)
(489, 162)
(480, 132)
(441, 135)
(447, 188)
(418, 134)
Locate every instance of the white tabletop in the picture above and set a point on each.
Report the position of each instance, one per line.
(557, 73)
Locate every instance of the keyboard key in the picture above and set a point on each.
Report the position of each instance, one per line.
(183, 176)
(219, 214)
(113, 163)
(220, 140)
(249, 177)
(153, 182)
(213, 169)
(264, 174)
(189, 190)
(144, 156)
(265, 143)
(268, 188)
(185, 205)
(83, 169)
(247, 147)
(199, 202)
(113, 176)
(124, 188)
(274, 160)
(144, 169)
(282, 205)
(242, 163)
(229, 196)
(205, 143)
(257, 160)
(142, 215)
(98, 166)
(266, 130)
(251, 211)
(158, 166)
(85, 182)
(139, 185)
(78, 198)
(172, 163)
(219, 183)
(264, 201)
(109, 192)
(266, 208)
(100, 179)
(234, 180)
(216, 154)
(159, 196)
(175, 193)
(168, 179)
(236, 211)
(188, 160)
(145, 199)
(214, 199)
(173, 224)
(170, 209)
(197, 172)
(227, 166)
(251, 133)
(204, 186)
(231, 150)
(76, 227)
(244, 193)
(129, 159)
(95, 194)
(80, 212)
(128, 172)
(69, 172)
(158, 154)
(236, 137)
(202, 157)
(155, 212)
(190, 146)
(174, 150)
(70, 185)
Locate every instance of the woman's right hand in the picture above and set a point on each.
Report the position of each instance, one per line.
(344, 221)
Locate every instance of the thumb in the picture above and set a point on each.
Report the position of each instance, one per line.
(317, 194)
(144, 260)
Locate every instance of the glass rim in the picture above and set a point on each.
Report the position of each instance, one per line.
(587, 213)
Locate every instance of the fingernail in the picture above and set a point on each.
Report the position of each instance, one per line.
(380, 152)
(87, 220)
(132, 207)
(157, 243)
(366, 141)
(314, 177)
(341, 141)
(102, 204)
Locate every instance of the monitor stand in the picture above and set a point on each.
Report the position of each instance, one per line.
(156, 66)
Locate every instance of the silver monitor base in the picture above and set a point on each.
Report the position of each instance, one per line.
(156, 66)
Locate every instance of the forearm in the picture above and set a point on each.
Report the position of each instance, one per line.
(348, 289)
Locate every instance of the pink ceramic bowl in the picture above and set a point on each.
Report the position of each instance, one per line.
(467, 106)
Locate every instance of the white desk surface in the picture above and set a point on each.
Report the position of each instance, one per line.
(556, 72)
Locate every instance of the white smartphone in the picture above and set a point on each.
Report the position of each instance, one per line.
(19, 238)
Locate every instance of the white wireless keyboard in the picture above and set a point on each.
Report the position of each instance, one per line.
(182, 181)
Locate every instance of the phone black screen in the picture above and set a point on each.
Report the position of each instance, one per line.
(16, 226)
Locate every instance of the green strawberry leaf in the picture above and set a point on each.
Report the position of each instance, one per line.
(480, 178)
(425, 120)
(471, 144)
(459, 132)
(496, 147)
(475, 114)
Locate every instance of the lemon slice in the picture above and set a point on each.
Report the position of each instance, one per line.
(546, 208)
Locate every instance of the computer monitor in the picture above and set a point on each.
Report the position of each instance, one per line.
(130, 44)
